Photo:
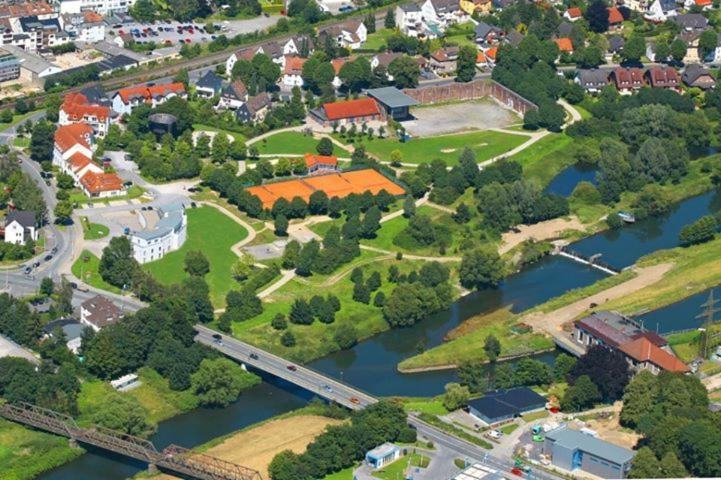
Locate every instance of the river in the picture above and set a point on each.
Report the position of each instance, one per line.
(371, 365)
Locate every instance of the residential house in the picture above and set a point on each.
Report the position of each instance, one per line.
(20, 227)
(319, 164)
(691, 21)
(209, 85)
(513, 38)
(574, 450)
(76, 108)
(714, 57)
(476, 6)
(255, 109)
(126, 99)
(615, 19)
(84, 27)
(573, 14)
(346, 112)
(276, 51)
(443, 12)
(661, 10)
(565, 29)
(565, 45)
(337, 64)
(409, 20)
(651, 52)
(101, 184)
(293, 72)
(42, 32)
(232, 96)
(384, 60)
(443, 61)
(487, 35)
(698, 76)
(99, 312)
(351, 34)
(615, 44)
(482, 60)
(593, 80)
(691, 38)
(702, 4)
(627, 80)
(663, 77)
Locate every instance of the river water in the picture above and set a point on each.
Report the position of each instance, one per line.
(371, 365)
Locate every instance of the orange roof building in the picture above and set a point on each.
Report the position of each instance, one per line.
(491, 53)
(614, 16)
(76, 108)
(334, 185)
(573, 13)
(359, 110)
(565, 44)
(126, 99)
(101, 184)
(294, 65)
(68, 136)
(704, 3)
(317, 163)
(644, 354)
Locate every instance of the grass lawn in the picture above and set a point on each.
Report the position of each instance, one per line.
(288, 143)
(80, 198)
(25, 453)
(546, 158)
(316, 340)
(93, 231)
(16, 119)
(377, 39)
(397, 469)
(486, 144)
(86, 269)
(510, 428)
(532, 417)
(200, 127)
(213, 233)
(345, 474)
(21, 142)
(432, 406)
(458, 34)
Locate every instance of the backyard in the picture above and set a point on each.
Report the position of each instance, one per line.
(212, 233)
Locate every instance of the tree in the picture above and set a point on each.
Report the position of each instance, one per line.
(41, 142)
(597, 16)
(608, 369)
(481, 268)
(455, 396)
(218, 382)
(221, 148)
(700, 450)
(345, 336)
(700, 231)
(409, 207)
(671, 467)
(279, 322)
(361, 293)
(492, 347)
(300, 312)
(47, 286)
(318, 203)
(281, 225)
(241, 305)
(390, 20)
(196, 264)
(562, 366)
(143, 11)
(124, 414)
(287, 339)
(466, 64)
(242, 267)
(117, 264)
(707, 43)
(63, 212)
(405, 72)
(581, 395)
(634, 49)
(324, 146)
(645, 465)
(678, 50)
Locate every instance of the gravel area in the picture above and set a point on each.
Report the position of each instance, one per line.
(455, 117)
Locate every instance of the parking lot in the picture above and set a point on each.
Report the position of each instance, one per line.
(167, 33)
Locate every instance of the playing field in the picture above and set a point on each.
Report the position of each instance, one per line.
(289, 143)
(486, 144)
(213, 233)
(456, 117)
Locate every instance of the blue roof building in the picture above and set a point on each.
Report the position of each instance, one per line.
(501, 405)
(574, 450)
(382, 455)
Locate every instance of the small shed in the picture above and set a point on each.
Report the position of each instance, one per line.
(382, 455)
(395, 102)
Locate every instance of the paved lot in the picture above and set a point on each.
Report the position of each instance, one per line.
(163, 32)
(8, 348)
(267, 251)
(455, 117)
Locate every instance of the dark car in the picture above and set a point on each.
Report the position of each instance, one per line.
(48, 258)
(292, 368)
(28, 270)
(218, 338)
(73, 285)
(54, 250)
(254, 356)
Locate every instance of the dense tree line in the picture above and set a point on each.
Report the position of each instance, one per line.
(600, 375)
(343, 445)
(418, 295)
(480, 377)
(671, 412)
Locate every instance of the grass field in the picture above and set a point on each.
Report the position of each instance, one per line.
(26, 453)
(86, 269)
(432, 406)
(21, 142)
(93, 231)
(213, 233)
(16, 119)
(294, 143)
(377, 39)
(486, 144)
(205, 128)
(546, 158)
(316, 340)
(396, 470)
(345, 474)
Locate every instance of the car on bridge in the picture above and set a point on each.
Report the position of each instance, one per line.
(354, 400)
(292, 368)
(218, 338)
(254, 356)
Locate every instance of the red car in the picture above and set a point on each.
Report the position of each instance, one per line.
(292, 368)
(517, 471)
(354, 400)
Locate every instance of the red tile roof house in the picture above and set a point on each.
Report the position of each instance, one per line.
(126, 99)
(627, 79)
(319, 164)
(443, 61)
(615, 18)
(77, 109)
(573, 14)
(663, 77)
(293, 71)
(347, 112)
(565, 45)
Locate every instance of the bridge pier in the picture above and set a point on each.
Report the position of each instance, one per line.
(72, 443)
(153, 469)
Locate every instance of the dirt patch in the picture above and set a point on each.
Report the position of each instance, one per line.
(457, 117)
(448, 150)
(539, 231)
(255, 448)
(607, 426)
